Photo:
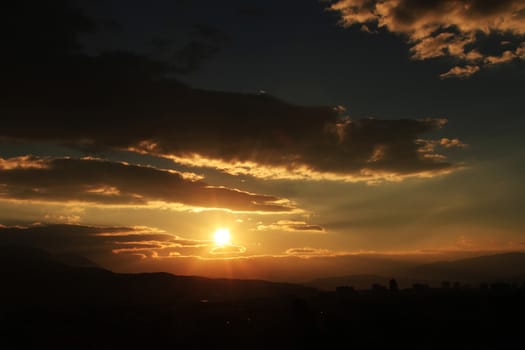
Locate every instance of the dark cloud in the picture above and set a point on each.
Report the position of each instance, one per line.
(47, 39)
(252, 11)
(41, 38)
(436, 28)
(34, 29)
(257, 135)
(110, 243)
(203, 44)
(123, 100)
(104, 182)
(58, 238)
(191, 57)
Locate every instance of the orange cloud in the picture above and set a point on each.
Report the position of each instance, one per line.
(506, 56)
(444, 28)
(460, 72)
(520, 51)
(23, 162)
(228, 250)
(291, 226)
(428, 147)
(307, 252)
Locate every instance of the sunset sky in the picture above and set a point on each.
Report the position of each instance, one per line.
(326, 137)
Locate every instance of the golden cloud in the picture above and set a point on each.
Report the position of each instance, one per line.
(291, 226)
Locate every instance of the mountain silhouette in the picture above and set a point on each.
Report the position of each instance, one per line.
(509, 267)
(26, 269)
(488, 268)
(57, 302)
(360, 281)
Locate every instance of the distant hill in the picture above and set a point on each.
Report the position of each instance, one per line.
(74, 260)
(361, 282)
(489, 268)
(356, 281)
(34, 276)
(46, 303)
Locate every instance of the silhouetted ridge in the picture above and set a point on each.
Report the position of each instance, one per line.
(489, 268)
(45, 303)
(26, 270)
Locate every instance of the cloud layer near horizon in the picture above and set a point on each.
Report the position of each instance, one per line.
(140, 249)
(455, 28)
(124, 242)
(102, 182)
(291, 226)
(99, 241)
(255, 135)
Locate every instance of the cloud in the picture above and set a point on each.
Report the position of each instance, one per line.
(453, 28)
(365, 28)
(104, 182)
(291, 226)
(309, 252)
(506, 56)
(252, 11)
(450, 143)
(228, 250)
(429, 148)
(460, 72)
(124, 101)
(441, 45)
(240, 134)
(61, 238)
(68, 219)
(520, 51)
(40, 28)
(204, 43)
(134, 249)
(168, 247)
(109, 242)
(113, 243)
(47, 39)
(23, 162)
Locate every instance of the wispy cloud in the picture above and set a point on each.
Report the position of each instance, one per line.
(227, 250)
(307, 252)
(291, 226)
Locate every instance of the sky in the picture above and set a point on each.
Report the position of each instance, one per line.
(327, 137)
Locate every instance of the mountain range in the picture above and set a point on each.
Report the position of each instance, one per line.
(34, 276)
(58, 277)
(508, 267)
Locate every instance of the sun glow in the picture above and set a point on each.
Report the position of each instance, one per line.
(221, 236)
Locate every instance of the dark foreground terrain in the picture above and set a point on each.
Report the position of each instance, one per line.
(46, 303)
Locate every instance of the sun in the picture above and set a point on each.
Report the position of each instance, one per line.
(221, 236)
